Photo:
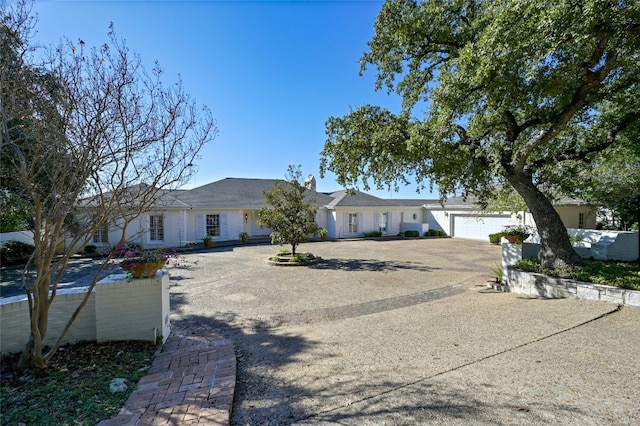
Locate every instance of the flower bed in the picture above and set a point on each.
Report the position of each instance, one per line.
(299, 259)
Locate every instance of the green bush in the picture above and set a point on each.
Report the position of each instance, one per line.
(495, 238)
(441, 233)
(613, 273)
(373, 234)
(411, 234)
(15, 253)
(432, 233)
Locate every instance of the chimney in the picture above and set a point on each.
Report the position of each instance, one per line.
(310, 183)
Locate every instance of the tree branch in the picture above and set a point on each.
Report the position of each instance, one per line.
(590, 81)
(579, 155)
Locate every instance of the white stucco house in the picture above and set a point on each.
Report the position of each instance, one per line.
(225, 208)
(464, 219)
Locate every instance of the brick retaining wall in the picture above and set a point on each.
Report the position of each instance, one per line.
(117, 310)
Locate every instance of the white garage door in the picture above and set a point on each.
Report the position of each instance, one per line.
(478, 227)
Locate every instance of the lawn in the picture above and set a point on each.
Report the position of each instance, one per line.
(74, 389)
(617, 274)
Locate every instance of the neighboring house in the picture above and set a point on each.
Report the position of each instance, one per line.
(225, 208)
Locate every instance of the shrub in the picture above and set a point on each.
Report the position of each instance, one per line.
(15, 253)
(495, 238)
(523, 231)
(441, 233)
(299, 258)
(497, 270)
(411, 234)
(127, 250)
(90, 249)
(373, 234)
(613, 273)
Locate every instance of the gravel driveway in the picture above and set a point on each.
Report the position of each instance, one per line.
(402, 332)
(406, 332)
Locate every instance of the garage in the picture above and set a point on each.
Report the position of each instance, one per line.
(478, 227)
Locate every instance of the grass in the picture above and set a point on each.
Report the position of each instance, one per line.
(302, 258)
(74, 389)
(617, 274)
(497, 270)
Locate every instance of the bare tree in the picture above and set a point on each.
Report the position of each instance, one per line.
(91, 139)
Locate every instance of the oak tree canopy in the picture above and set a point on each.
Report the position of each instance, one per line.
(495, 92)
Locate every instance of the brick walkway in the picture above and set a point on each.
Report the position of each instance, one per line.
(191, 382)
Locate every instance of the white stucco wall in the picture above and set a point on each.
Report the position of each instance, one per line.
(367, 221)
(138, 230)
(332, 223)
(438, 220)
(412, 215)
(570, 216)
(118, 309)
(321, 218)
(22, 236)
(234, 224)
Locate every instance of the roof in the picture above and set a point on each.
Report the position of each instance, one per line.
(343, 198)
(163, 198)
(471, 202)
(413, 202)
(568, 201)
(235, 193)
(456, 201)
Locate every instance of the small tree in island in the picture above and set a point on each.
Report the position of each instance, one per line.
(292, 215)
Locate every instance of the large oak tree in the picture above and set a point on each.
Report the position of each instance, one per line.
(609, 180)
(509, 88)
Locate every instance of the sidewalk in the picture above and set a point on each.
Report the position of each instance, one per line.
(191, 382)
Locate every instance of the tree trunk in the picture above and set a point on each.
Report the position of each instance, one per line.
(39, 302)
(555, 249)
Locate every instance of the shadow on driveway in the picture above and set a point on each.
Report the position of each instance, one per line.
(370, 265)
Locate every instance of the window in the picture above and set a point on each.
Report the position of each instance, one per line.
(382, 225)
(213, 225)
(100, 236)
(581, 220)
(156, 228)
(353, 223)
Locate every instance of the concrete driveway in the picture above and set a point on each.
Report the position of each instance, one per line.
(406, 332)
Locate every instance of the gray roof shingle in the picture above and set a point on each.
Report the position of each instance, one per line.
(342, 198)
(234, 193)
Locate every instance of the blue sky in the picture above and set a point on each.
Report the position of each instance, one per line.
(272, 72)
